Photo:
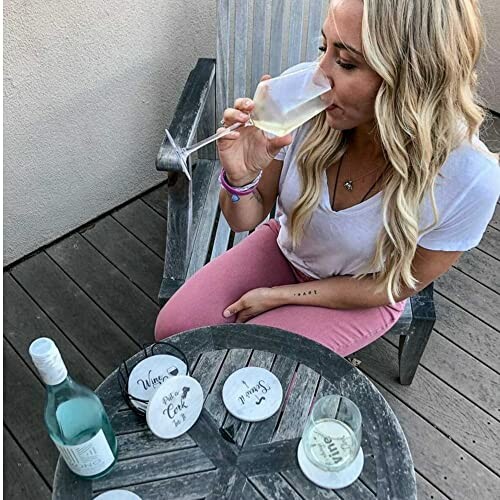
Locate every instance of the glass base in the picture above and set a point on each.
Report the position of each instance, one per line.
(330, 479)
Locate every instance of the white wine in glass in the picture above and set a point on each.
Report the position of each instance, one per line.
(281, 105)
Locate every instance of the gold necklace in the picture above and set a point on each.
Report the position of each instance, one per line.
(349, 183)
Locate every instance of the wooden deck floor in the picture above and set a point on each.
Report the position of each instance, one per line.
(94, 292)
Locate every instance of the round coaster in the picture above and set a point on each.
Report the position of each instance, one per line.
(118, 495)
(149, 374)
(175, 407)
(252, 394)
(330, 479)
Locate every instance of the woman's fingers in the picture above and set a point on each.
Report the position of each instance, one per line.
(232, 115)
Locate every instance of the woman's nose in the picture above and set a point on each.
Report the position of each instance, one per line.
(325, 69)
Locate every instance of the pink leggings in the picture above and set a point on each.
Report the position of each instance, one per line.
(258, 262)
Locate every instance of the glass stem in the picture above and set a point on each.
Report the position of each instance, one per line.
(191, 149)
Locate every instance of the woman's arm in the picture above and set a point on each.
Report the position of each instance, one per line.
(252, 209)
(344, 292)
(340, 292)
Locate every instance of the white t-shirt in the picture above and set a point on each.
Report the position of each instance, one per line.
(343, 242)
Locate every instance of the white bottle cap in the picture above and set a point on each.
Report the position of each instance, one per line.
(47, 359)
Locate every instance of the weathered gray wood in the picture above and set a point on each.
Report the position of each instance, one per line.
(188, 114)
(495, 221)
(258, 43)
(458, 475)
(221, 237)
(490, 243)
(250, 493)
(283, 368)
(234, 427)
(235, 359)
(24, 415)
(134, 259)
(159, 461)
(468, 332)
(157, 199)
(154, 467)
(189, 487)
(447, 409)
(208, 126)
(297, 15)
(223, 44)
(240, 65)
(274, 486)
(478, 383)
(21, 480)
(276, 43)
(144, 223)
(315, 20)
(471, 296)
(128, 306)
(74, 312)
(481, 267)
(24, 321)
(207, 369)
(145, 443)
(239, 237)
(204, 222)
(427, 490)
(296, 410)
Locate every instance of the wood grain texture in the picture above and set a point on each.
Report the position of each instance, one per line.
(145, 459)
(21, 480)
(132, 257)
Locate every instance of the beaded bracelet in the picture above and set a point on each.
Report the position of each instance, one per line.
(236, 192)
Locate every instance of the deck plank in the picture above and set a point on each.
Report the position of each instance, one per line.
(470, 333)
(157, 199)
(23, 479)
(131, 308)
(471, 296)
(145, 223)
(491, 242)
(443, 407)
(24, 321)
(482, 267)
(95, 334)
(134, 259)
(23, 415)
(452, 469)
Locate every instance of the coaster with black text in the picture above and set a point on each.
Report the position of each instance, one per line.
(252, 394)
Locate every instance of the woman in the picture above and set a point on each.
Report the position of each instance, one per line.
(377, 196)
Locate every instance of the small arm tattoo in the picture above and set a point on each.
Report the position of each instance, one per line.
(302, 294)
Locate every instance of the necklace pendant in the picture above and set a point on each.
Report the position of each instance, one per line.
(348, 185)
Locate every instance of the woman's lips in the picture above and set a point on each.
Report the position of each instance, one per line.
(332, 107)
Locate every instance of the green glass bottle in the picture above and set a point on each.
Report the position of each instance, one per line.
(74, 416)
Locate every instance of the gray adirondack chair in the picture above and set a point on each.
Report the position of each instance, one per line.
(271, 36)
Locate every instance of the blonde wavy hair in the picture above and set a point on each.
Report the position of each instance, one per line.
(426, 53)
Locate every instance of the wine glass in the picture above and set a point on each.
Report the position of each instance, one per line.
(330, 453)
(281, 105)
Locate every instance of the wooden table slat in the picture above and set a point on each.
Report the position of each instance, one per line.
(155, 467)
(299, 402)
(274, 486)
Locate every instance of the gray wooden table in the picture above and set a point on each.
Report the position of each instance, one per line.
(261, 462)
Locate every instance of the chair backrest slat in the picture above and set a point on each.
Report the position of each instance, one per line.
(240, 64)
(297, 15)
(258, 43)
(255, 37)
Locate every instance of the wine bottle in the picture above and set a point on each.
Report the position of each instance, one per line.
(74, 416)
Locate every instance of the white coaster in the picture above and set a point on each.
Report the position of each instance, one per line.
(330, 479)
(175, 407)
(118, 495)
(150, 373)
(252, 394)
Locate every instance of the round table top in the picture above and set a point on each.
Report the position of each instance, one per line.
(222, 457)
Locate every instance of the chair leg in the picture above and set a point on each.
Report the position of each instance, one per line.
(411, 348)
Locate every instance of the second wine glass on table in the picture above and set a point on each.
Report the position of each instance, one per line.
(281, 105)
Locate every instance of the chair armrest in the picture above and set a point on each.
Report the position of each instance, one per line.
(422, 305)
(188, 114)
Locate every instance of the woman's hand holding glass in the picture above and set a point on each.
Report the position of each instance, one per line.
(246, 151)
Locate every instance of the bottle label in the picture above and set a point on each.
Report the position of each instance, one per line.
(89, 458)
